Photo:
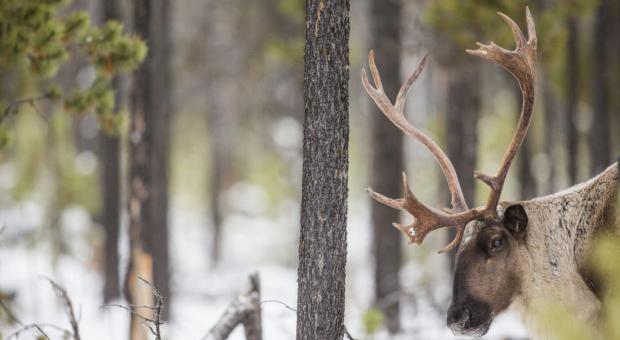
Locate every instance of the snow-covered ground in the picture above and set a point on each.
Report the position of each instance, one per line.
(251, 243)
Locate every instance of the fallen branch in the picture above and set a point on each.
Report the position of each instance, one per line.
(245, 309)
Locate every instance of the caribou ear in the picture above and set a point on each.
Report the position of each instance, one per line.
(515, 219)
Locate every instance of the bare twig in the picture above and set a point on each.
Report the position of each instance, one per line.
(154, 323)
(11, 109)
(23, 328)
(62, 294)
(285, 305)
(279, 303)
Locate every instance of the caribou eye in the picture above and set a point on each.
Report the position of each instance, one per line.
(497, 243)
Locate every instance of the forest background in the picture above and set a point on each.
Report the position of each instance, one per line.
(223, 105)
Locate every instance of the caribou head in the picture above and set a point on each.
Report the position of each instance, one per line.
(494, 253)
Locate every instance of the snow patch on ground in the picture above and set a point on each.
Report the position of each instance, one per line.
(252, 242)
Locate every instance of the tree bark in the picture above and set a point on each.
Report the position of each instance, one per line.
(148, 155)
(387, 161)
(572, 86)
(600, 138)
(109, 153)
(322, 245)
(461, 123)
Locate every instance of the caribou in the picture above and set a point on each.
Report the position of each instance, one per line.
(509, 254)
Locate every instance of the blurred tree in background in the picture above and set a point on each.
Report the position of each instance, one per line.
(387, 161)
(151, 110)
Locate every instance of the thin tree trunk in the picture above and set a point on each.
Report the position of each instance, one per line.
(387, 161)
(148, 150)
(461, 121)
(572, 86)
(158, 120)
(223, 61)
(322, 245)
(552, 133)
(527, 181)
(109, 153)
(600, 139)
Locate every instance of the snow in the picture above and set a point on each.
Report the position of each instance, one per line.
(253, 241)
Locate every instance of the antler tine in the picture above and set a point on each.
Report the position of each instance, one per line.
(531, 28)
(404, 90)
(521, 64)
(516, 31)
(374, 71)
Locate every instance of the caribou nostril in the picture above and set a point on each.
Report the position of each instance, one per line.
(458, 316)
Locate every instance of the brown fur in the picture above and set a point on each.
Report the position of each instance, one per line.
(546, 259)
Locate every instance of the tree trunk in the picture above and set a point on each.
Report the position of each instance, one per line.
(600, 139)
(322, 245)
(158, 120)
(461, 122)
(109, 153)
(148, 150)
(527, 181)
(572, 86)
(223, 60)
(552, 134)
(387, 162)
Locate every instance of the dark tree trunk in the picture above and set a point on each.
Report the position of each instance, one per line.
(552, 134)
(527, 181)
(461, 122)
(600, 139)
(387, 162)
(148, 148)
(223, 60)
(322, 244)
(158, 120)
(572, 86)
(109, 153)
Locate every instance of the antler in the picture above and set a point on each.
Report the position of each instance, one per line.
(521, 64)
(426, 218)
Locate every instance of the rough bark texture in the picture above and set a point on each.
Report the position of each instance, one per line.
(322, 245)
(600, 138)
(463, 107)
(572, 86)
(148, 152)
(387, 161)
(109, 153)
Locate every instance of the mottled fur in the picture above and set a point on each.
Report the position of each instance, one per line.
(561, 228)
(547, 260)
